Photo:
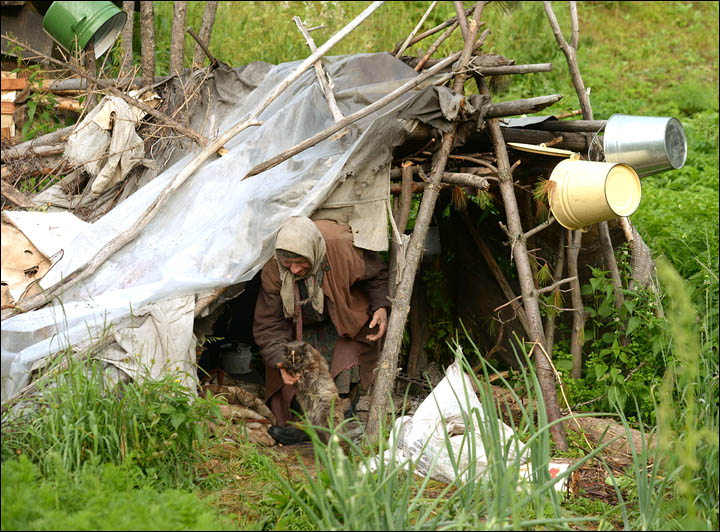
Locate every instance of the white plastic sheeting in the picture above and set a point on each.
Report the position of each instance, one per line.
(216, 230)
(443, 417)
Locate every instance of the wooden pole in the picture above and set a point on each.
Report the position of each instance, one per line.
(127, 38)
(177, 39)
(205, 31)
(322, 77)
(91, 66)
(570, 51)
(527, 285)
(415, 30)
(147, 35)
(387, 366)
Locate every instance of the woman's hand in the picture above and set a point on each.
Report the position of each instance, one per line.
(286, 376)
(379, 319)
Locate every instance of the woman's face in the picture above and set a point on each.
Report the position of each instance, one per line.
(299, 267)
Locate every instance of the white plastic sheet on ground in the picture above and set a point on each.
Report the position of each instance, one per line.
(216, 230)
(421, 438)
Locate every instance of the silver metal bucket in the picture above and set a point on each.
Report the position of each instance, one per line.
(650, 144)
(236, 361)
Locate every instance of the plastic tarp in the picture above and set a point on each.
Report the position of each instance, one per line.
(217, 230)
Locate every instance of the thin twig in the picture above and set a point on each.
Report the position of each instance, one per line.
(537, 229)
(415, 30)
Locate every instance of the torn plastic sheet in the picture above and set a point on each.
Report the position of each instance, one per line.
(105, 143)
(217, 230)
(421, 438)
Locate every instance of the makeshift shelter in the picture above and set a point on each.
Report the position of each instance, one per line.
(141, 310)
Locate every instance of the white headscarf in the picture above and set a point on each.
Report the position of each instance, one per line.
(300, 235)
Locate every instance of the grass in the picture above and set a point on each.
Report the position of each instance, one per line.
(100, 497)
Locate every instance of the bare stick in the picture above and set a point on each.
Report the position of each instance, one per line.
(415, 30)
(284, 156)
(127, 36)
(203, 47)
(124, 238)
(205, 30)
(525, 106)
(543, 290)
(387, 365)
(557, 274)
(436, 45)
(522, 261)
(461, 18)
(320, 73)
(147, 32)
(433, 31)
(505, 70)
(177, 39)
(539, 228)
(570, 51)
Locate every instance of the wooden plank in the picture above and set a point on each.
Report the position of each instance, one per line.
(5, 133)
(7, 108)
(13, 84)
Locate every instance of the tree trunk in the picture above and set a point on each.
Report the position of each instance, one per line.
(205, 32)
(91, 66)
(578, 330)
(557, 275)
(127, 39)
(147, 34)
(545, 374)
(387, 365)
(570, 51)
(177, 40)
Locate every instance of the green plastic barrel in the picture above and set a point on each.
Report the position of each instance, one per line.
(73, 24)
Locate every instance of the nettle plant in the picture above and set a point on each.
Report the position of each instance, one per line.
(625, 350)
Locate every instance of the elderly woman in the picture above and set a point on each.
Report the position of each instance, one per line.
(321, 288)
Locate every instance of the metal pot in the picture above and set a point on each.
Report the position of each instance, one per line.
(650, 144)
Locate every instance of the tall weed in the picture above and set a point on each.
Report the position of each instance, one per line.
(156, 424)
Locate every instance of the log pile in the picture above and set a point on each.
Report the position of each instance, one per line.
(246, 417)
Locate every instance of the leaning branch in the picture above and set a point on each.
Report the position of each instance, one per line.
(321, 75)
(415, 30)
(322, 135)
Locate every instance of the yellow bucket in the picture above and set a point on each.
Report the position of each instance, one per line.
(588, 192)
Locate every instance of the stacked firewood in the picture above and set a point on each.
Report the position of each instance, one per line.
(246, 416)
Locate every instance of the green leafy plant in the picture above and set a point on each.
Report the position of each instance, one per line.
(156, 424)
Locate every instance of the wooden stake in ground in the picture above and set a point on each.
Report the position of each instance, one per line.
(147, 35)
(518, 239)
(205, 31)
(177, 39)
(570, 51)
(387, 366)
